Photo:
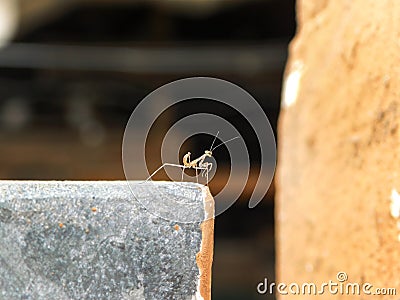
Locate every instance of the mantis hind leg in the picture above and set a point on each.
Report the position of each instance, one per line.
(165, 165)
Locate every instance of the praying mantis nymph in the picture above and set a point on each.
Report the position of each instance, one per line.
(196, 164)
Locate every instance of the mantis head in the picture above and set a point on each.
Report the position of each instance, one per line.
(208, 153)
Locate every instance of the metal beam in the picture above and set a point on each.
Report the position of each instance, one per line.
(160, 60)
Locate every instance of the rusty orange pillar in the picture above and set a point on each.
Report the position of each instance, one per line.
(338, 179)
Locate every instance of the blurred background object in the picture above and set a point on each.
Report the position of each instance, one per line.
(71, 73)
(9, 18)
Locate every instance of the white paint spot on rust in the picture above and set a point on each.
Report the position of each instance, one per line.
(291, 84)
(395, 209)
(395, 204)
(386, 80)
(309, 267)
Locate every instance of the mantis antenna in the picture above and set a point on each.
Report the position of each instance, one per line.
(236, 137)
(215, 137)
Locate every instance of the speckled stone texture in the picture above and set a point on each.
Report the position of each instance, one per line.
(339, 147)
(94, 240)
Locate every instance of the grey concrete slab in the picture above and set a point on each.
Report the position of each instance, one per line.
(94, 240)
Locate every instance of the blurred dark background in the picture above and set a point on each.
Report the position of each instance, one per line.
(71, 73)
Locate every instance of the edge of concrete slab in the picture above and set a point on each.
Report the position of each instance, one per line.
(204, 258)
